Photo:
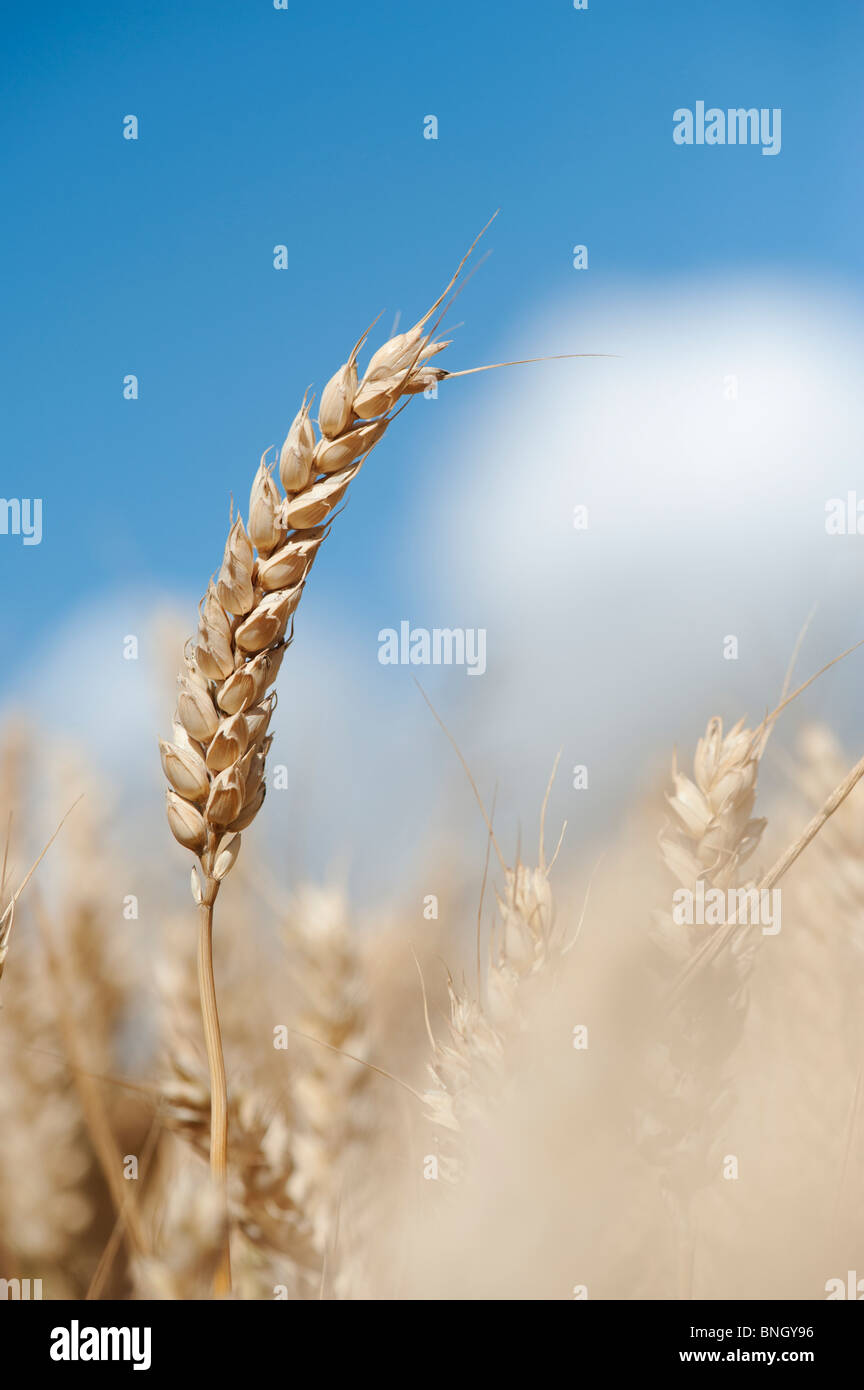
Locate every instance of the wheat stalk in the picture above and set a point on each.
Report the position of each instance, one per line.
(215, 764)
(46, 1163)
(7, 916)
(332, 1123)
(261, 1173)
(710, 836)
(7, 921)
(75, 1037)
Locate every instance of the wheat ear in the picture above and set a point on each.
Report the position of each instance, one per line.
(216, 761)
(711, 835)
(466, 1068)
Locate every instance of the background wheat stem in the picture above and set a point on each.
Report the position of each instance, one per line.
(7, 916)
(836, 799)
(685, 1251)
(216, 1065)
(106, 1260)
(95, 1114)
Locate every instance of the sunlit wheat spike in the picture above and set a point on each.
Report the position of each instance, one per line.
(712, 832)
(215, 762)
(710, 835)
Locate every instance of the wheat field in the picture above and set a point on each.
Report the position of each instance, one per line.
(550, 1085)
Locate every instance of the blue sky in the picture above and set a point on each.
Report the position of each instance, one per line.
(304, 127)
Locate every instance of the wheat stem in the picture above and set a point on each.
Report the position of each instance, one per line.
(96, 1118)
(811, 830)
(216, 1065)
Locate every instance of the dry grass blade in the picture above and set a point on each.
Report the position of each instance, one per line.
(7, 918)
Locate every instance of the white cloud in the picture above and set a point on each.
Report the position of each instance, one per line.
(706, 518)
